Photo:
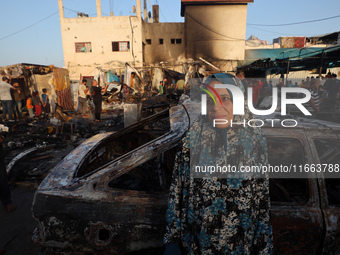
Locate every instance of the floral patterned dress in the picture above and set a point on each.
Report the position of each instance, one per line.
(214, 215)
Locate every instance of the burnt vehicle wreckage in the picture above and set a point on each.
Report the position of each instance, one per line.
(109, 196)
(75, 205)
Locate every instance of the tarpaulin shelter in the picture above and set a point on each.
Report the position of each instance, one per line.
(284, 60)
(36, 77)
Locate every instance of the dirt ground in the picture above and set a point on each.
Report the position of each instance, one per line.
(17, 227)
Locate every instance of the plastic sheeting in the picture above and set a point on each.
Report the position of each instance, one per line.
(61, 79)
(44, 81)
(157, 77)
(127, 75)
(253, 55)
(110, 77)
(65, 98)
(99, 76)
(53, 82)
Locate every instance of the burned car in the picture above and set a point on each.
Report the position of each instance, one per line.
(109, 196)
(305, 210)
(111, 192)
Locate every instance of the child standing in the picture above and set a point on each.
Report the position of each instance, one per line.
(29, 106)
(45, 102)
(36, 103)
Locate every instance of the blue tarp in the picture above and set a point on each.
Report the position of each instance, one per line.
(252, 55)
(111, 77)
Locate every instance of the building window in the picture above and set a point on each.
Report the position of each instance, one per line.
(161, 41)
(83, 47)
(176, 41)
(120, 46)
(148, 41)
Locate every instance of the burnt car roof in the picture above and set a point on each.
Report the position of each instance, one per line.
(65, 173)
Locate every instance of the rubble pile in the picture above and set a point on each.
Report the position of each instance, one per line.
(32, 165)
(35, 146)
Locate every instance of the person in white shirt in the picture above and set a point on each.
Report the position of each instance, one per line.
(82, 97)
(6, 98)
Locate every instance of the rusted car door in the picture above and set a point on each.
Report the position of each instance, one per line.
(297, 219)
(327, 151)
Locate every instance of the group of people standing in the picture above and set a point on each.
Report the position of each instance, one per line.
(37, 104)
(13, 100)
(93, 95)
(179, 86)
(85, 95)
(324, 90)
(10, 100)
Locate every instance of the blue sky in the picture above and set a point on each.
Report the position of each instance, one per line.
(41, 42)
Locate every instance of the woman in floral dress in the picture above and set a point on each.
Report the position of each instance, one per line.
(217, 214)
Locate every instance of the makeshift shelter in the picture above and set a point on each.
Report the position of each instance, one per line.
(36, 77)
(283, 61)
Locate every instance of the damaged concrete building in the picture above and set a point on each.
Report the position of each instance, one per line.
(93, 46)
